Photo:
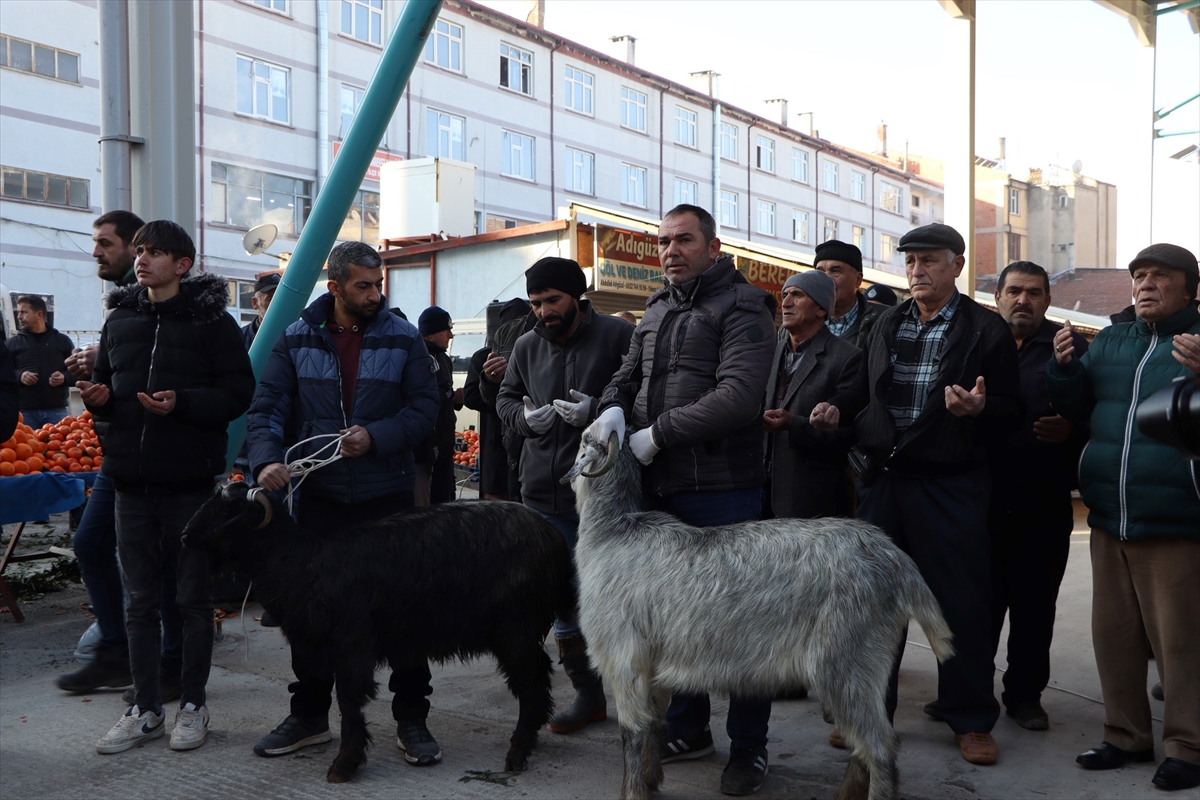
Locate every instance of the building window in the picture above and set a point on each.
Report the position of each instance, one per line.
(729, 145)
(685, 192)
(916, 201)
(831, 229)
(495, 223)
(581, 167)
(516, 155)
(244, 198)
(633, 109)
(1014, 247)
(764, 220)
(1014, 201)
(858, 237)
(272, 5)
(800, 165)
(889, 198)
(40, 187)
(242, 293)
(1063, 201)
(799, 226)
(362, 220)
(363, 19)
(443, 48)
(729, 209)
(764, 154)
(39, 59)
(633, 185)
(685, 127)
(887, 247)
(578, 96)
(444, 135)
(351, 100)
(858, 186)
(262, 90)
(829, 176)
(516, 69)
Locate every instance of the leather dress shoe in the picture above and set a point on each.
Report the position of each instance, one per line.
(977, 748)
(1030, 715)
(1175, 774)
(1109, 756)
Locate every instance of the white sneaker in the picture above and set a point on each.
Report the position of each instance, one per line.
(132, 729)
(191, 727)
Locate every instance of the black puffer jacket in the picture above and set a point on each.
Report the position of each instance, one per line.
(697, 371)
(189, 345)
(43, 354)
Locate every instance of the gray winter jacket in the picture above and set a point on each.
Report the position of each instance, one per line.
(541, 369)
(697, 371)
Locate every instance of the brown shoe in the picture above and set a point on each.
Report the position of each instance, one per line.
(978, 748)
(836, 739)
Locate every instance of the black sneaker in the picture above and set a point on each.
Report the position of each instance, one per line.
(745, 771)
(292, 734)
(417, 743)
(682, 749)
(170, 683)
(105, 670)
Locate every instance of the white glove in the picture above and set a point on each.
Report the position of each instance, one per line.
(539, 420)
(643, 446)
(577, 413)
(610, 422)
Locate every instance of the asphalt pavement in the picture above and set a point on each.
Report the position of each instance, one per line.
(47, 738)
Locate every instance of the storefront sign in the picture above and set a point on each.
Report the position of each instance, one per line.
(769, 277)
(627, 262)
(380, 158)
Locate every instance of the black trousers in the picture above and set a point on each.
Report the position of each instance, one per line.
(312, 691)
(1029, 557)
(942, 524)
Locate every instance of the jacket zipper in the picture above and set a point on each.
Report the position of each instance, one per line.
(337, 365)
(149, 381)
(1129, 417)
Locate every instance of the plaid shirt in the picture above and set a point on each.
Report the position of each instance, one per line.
(838, 326)
(916, 360)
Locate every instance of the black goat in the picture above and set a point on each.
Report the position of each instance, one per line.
(449, 581)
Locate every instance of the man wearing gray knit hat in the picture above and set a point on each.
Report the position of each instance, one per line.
(818, 385)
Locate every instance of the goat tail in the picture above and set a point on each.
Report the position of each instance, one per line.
(921, 605)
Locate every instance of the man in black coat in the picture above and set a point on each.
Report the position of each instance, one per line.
(170, 375)
(40, 353)
(435, 455)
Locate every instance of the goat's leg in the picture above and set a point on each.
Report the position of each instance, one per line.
(862, 718)
(355, 686)
(641, 729)
(527, 669)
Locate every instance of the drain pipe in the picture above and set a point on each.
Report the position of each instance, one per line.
(322, 93)
(116, 181)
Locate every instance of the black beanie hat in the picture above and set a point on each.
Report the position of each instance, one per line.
(434, 319)
(553, 272)
(839, 251)
(514, 309)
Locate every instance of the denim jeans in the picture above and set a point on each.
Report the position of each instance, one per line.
(96, 551)
(688, 714)
(37, 417)
(148, 530)
(568, 525)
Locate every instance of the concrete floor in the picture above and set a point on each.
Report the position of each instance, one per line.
(47, 738)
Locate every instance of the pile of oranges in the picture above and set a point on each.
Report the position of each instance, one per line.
(69, 446)
(467, 457)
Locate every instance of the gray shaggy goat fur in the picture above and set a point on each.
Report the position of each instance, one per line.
(752, 608)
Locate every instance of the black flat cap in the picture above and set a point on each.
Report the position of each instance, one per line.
(933, 237)
(268, 282)
(839, 251)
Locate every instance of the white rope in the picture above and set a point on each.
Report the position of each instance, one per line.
(301, 467)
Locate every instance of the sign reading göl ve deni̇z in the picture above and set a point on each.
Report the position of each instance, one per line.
(627, 262)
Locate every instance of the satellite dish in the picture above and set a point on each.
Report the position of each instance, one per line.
(259, 238)
(1077, 167)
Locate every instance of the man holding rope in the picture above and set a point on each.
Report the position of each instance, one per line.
(346, 370)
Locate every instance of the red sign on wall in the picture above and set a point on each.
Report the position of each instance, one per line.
(381, 157)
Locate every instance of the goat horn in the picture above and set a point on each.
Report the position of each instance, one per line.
(614, 448)
(257, 494)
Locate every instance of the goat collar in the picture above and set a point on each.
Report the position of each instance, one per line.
(257, 494)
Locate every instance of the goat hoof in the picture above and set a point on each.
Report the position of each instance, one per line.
(341, 770)
(334, 776)
(515, 761)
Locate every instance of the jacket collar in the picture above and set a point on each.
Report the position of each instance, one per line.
(1178, 322)
(202, 298)
(320, 312)
(720, 275)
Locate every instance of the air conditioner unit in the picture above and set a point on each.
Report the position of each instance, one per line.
(426, 196)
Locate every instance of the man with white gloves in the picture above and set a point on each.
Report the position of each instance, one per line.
(555, 373)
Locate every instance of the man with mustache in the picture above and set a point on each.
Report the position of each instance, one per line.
(943, 383)
(1033, 473)
(548, 396)
(435, 454)
(346, 369)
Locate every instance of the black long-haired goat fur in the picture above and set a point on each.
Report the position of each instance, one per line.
(451, 581)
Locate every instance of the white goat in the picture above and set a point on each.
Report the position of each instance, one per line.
(751, 608)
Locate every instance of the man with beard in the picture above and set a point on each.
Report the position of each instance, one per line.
(548, 396)
(435, 455)
(344, 369)
(1033, 473)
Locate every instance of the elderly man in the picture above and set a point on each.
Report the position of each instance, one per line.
(435, 455)
(818, 385)
(549, 396)
(264, 291)
(1145, 516)
(851, 316)
(944, 385)
(1033, 473)
(692, 384)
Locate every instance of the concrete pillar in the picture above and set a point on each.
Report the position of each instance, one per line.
(959, 78)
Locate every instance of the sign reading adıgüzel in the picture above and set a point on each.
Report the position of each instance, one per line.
(627, 262)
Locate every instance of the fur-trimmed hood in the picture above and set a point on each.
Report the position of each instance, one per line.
(202, 298)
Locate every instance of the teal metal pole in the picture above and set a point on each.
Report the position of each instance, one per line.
(345, 178)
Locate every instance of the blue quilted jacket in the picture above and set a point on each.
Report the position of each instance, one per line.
(395, 399)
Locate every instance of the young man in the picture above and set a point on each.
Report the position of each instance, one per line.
(40, 353)
(170, 375)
